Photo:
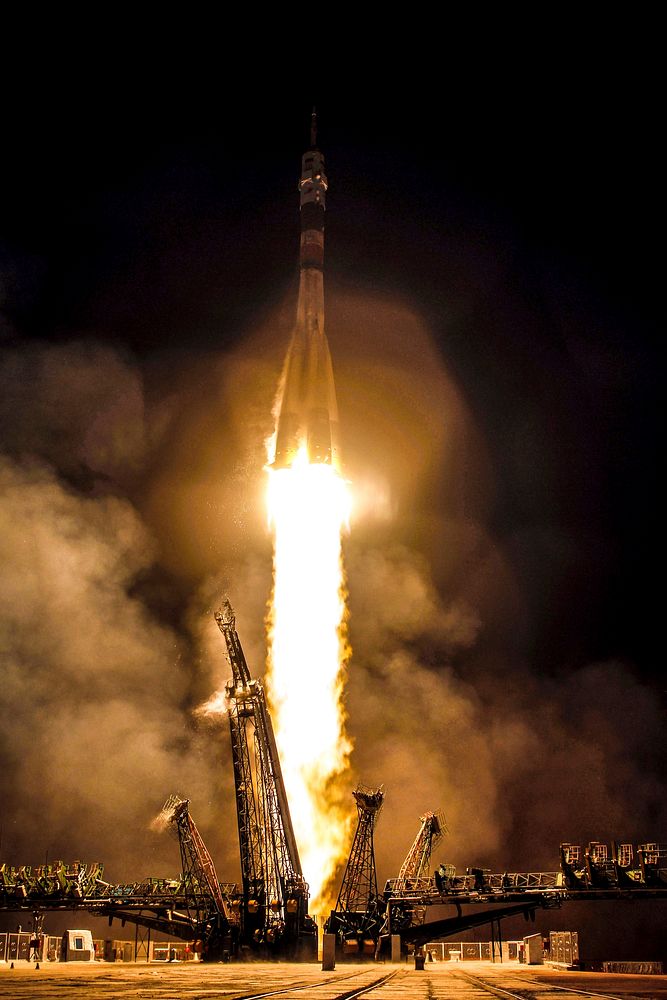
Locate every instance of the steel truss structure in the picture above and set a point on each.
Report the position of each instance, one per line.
(161, 904)
(625, 873)
(269, 911)
(210, 909)
(275, 893)
(356, 917)
(195, 906)
(417, 863)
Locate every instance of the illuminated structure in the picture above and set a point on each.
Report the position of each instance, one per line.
(214, 913)
(275, 894)
(356, 917)
(417, 863)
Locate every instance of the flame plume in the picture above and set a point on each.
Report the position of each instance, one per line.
(309, 507)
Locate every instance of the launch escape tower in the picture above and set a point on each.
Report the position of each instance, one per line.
(275, 893)
(355, 920)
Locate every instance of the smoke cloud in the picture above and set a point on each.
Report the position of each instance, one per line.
(95, 688)
(518, 763)
(131, 499)
(79, 404)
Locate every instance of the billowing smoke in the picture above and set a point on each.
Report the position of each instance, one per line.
(517, 764)
(80, 405)
(132, 498)
(95, 687)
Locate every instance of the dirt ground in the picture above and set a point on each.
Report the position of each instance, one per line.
(194, 981)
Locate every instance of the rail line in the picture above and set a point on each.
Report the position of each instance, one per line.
(530, 993)
(347, 995)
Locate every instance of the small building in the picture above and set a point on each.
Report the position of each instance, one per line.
(533, 949)
(77, 946)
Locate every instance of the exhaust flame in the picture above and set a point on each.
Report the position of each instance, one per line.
(309, 507)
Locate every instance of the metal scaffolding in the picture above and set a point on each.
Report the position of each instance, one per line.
(214, 914)
(417, 862)
(275, 893)
(355, 919)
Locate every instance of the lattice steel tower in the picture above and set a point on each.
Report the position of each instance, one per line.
(275, 893)
(210, 911)
(359, 888)
(418, 859)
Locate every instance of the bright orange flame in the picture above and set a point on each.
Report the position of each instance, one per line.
(309, 507)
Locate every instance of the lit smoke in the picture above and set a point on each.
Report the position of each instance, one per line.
(79, 404)
(94, 687)
(101, 669)
(517, 764)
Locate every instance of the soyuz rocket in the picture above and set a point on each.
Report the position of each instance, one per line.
(308, 410)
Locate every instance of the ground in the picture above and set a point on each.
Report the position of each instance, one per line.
(191, 981)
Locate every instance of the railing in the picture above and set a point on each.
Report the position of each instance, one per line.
(58, 886)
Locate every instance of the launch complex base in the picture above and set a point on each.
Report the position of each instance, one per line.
(438, 981)
(266, 915)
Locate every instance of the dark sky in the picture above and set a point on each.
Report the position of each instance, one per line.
(150, 230)
(519, 219)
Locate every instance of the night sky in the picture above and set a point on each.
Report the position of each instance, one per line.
(493, 299)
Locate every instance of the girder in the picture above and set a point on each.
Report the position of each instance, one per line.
(418, 859)
(357, 916)
(275, 893)
(205, 898)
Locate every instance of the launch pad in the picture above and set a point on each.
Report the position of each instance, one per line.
(439, 981)
(267, 915)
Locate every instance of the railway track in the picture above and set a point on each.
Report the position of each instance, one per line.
(524, 990)
(290, 982)
(329, 987)
(403, 983)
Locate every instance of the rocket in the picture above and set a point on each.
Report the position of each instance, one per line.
(308, 410)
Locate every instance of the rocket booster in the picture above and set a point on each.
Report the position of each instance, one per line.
(308, 410)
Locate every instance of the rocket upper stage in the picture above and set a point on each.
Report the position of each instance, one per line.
(308, 410)
(313, 188)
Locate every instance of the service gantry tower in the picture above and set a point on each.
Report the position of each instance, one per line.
(275, 893)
